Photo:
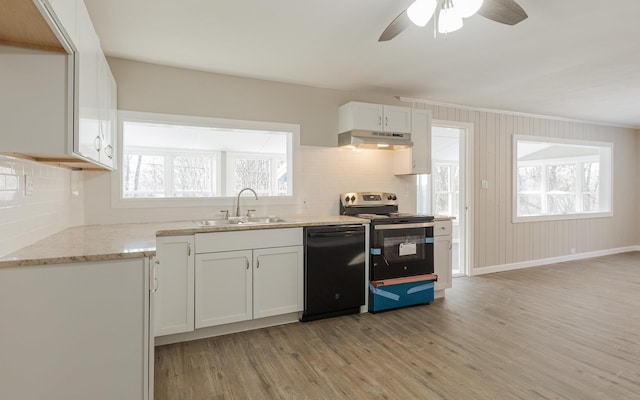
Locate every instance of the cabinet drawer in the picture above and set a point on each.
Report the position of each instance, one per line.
(251, 239)
(442, 228)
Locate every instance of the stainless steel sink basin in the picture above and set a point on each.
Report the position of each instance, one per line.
(240, 221)
(214, 222)
(265, 220)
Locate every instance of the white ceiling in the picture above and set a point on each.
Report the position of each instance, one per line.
(576, 59)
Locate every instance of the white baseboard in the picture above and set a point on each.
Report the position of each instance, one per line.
(551, 260)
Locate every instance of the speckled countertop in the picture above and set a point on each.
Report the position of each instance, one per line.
(123, 241)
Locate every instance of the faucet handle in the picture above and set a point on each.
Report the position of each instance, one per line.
(226, 213)
(250, 213)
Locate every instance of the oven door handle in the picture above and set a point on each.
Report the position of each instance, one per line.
(404, 226)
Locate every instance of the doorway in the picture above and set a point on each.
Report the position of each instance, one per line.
(447, 191)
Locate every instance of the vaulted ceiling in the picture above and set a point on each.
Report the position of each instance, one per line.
(576, 59)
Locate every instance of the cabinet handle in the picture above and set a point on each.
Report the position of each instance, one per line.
(386, 121)
(247, 260)
(156, 284)
(258, 263)
(189, 249)
(379, 120)
(109, 151)
(97, 143)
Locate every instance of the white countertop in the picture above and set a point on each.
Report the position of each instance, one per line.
(123, 241)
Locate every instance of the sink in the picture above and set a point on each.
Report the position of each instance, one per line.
(265, 220)
(240, 221)
(215, 222)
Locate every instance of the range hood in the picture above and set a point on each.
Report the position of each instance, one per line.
(375, 140)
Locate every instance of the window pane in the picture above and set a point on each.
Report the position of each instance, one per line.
(442, 204)
(561, 178)
(192, 176)
(255, 174)
(143, 176)
(561, 203)
(529, 179)
(441, 178)
(591, 177)
(591, 202)
(529, 204)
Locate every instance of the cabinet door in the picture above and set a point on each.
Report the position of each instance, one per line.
(278, 281)
(173, 300)
(223, 290)
(442, 261)
(89, 141)
(366, 116)
(75, 331)
(421, 137)
(107, 104)
(416, 160)
(397, 119)
(67, 13)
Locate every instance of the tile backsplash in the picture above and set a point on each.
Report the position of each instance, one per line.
(36, 200)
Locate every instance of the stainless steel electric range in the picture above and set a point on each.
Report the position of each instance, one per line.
(401, 250)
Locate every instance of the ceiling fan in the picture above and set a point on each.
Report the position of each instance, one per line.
(451, 13)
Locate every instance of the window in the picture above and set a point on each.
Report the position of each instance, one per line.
(171, 157)
(556, 178)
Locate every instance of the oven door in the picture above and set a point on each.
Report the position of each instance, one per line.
(399, 250)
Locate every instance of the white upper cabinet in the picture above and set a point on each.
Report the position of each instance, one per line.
(67, 13)
(373, 117)
(89, 138)
(77, 86)
(417, 159)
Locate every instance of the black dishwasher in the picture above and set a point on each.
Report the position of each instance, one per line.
(334, 271)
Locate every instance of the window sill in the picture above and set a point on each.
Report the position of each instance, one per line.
(561, 217)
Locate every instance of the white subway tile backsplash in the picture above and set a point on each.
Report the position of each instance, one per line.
(52, 205)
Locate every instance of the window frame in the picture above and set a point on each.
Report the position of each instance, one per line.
(118, 201)
(606, 176)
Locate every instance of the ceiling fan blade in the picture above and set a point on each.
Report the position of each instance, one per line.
(396, 26)
(504, 11)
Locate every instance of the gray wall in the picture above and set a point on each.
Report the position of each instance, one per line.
(155, 88)
(496, 240)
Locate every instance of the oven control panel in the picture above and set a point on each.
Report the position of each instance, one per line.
(368, 199)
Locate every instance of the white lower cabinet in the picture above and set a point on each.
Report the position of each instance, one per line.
(442, 253)
(76, 331)
(223, 288)
(239, 286)
(278, 286)
(173, 298)
(217, 278)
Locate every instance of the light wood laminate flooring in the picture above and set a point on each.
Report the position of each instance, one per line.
(565, 331)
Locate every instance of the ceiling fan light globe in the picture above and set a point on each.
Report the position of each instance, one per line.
(449, 20)
(467, 8)
(421, 11)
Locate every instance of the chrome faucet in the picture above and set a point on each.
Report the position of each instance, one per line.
(238, 199)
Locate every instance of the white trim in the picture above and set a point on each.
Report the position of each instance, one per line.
(516, 219)
(514, 113)
(551, 260)
(228, 201)
(468, 171)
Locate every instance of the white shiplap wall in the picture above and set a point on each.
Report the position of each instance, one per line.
(498, 243)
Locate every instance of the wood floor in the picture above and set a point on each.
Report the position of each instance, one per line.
(565, 331)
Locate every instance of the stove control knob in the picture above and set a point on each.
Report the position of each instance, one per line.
(389, 197)
(394, 197)
(353, 198)
(346, 199)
